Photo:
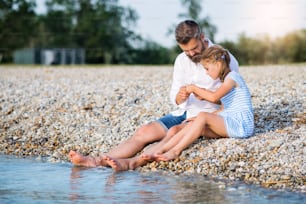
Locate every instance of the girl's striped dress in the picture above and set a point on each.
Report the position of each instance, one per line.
(238, 112)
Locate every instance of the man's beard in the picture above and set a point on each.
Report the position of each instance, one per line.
(197, 57)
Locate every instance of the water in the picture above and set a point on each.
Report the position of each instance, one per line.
(32, 181)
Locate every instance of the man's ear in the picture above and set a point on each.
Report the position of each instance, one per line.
(202, 37)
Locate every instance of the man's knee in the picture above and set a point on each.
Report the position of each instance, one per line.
(150, 132)
(173, 130)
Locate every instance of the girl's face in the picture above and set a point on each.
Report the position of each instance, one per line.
(213, 68)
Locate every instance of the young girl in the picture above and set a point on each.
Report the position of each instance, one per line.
(235, 119)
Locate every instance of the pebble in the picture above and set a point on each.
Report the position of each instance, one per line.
(48, 111)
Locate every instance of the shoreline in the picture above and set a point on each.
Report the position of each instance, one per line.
(50, 111)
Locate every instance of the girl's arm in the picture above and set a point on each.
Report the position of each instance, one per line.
(212, 96)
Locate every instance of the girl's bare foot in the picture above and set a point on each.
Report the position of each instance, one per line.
(148, 157)
(80, 160)
(125, 164)
(170, 155)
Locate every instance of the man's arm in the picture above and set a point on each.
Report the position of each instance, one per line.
(178, 94)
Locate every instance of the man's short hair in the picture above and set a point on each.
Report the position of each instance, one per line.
(187, 30)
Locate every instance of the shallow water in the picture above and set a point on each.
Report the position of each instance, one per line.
(33, 181)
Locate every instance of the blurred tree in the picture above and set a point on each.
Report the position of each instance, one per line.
(253, 50)
(152, 53)
(233, 48)
(104, 29)
(262, 50)
(101, 27)
(194, 10)
(56, 30)
(17, 25)
(293, 46)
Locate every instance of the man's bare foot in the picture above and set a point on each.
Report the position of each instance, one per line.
(80, 160)
(117, 164)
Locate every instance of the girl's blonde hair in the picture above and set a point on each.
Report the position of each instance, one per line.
(215, 54)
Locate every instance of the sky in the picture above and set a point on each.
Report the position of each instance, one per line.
(231, 17)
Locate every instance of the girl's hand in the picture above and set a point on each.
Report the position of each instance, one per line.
(190, 88)
(193, 89)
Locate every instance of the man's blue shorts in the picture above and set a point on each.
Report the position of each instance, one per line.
(170, 120)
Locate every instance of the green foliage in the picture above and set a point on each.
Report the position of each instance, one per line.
(102, 27)
(293, 46)
(17, 25)
(96, 26)
(105, 30)
(194, 9)
(152, 53)
(263, 50)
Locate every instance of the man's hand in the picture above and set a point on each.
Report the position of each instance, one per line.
(182, 95)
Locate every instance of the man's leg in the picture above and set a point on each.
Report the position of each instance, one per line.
(146, 134)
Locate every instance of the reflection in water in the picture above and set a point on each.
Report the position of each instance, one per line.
(199, 190)
(31, 181)
(117, 187)
(75, 183)
(143, 188)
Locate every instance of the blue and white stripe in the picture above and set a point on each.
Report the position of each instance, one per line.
(238, 111)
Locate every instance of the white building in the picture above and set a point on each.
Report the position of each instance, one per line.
(52, 56)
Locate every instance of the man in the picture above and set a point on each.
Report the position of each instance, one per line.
(187, 70)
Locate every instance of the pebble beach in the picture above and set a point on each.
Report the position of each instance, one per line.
(47, 111)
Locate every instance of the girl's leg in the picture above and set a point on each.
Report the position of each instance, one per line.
(156, 148)
(207, 124)
(174, 140)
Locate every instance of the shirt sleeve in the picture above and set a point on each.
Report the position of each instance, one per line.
(233, 75)
(178, 80)
(234, 65)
